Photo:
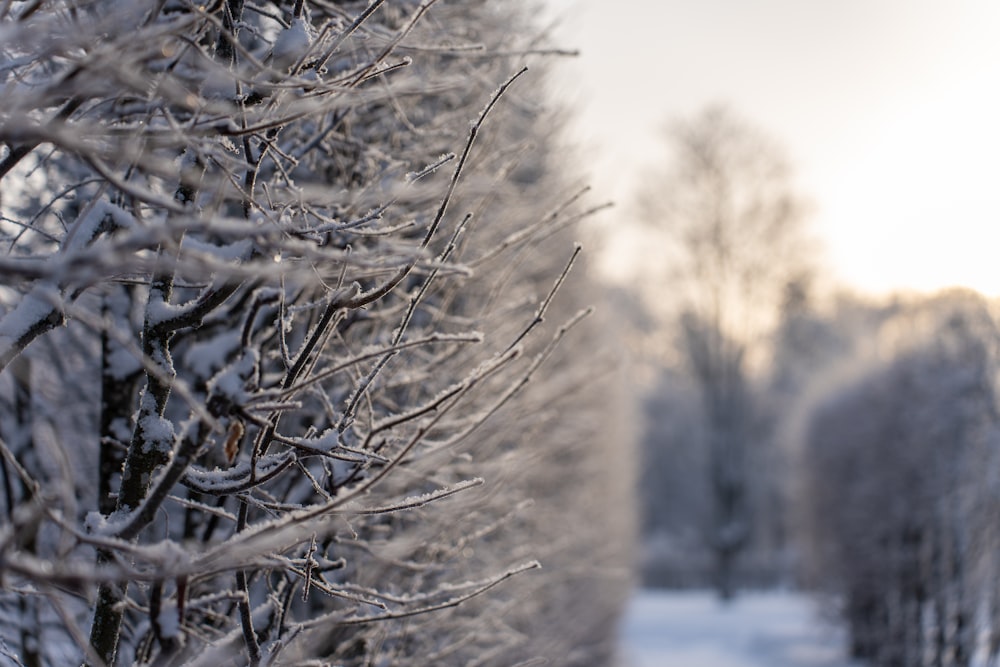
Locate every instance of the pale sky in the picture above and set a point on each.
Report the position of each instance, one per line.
(888, 109)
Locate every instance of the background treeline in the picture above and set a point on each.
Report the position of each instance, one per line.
(297, 357)
(900, 489)
(873, 477)
(799, 435)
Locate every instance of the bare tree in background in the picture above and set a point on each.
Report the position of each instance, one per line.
(286, 342)
(732, 228)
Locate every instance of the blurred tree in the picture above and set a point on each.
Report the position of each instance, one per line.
(677, 505)
(732, 225)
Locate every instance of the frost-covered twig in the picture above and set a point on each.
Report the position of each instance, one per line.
(544, 305)
(478, 588)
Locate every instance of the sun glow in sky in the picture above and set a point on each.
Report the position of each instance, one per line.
(889, 111)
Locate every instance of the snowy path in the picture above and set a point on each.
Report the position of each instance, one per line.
(692, 629)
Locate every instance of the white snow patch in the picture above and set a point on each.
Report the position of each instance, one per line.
(96, 523)
(292, 43)
(86, 229)
(159, 311)
(157, 433)
(33, 308)
(774, 629)
(326, 442)
(231, 382)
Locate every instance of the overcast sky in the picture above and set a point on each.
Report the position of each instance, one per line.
(889, 110)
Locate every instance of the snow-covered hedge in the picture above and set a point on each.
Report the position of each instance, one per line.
(296, 365)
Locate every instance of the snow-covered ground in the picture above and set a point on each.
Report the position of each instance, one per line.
(693, 629)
